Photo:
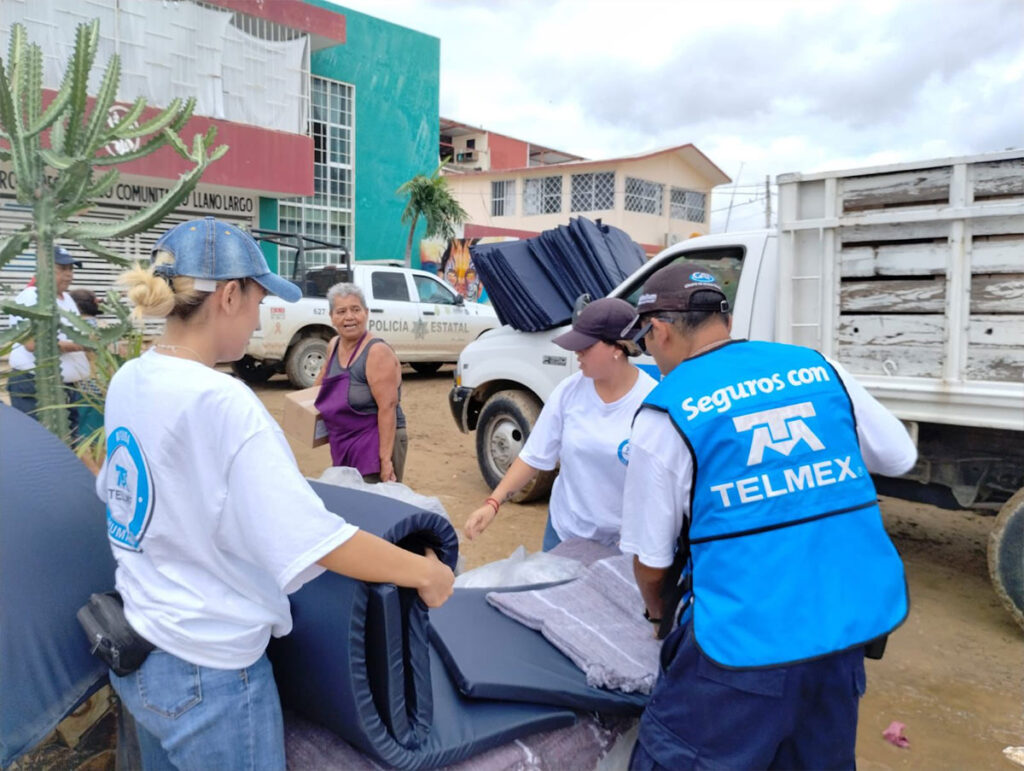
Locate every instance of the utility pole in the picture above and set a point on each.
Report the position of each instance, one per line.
(767, 201)
(732, 198)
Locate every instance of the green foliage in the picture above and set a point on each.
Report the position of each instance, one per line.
(430, 198)
(55, 153)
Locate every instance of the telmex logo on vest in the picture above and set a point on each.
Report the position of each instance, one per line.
(721, 399)
(782, 429)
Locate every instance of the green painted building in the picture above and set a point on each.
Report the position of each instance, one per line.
(374, 121)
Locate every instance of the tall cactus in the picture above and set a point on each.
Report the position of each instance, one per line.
(55, 157)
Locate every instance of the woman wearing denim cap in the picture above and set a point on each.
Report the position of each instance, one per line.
(210, 521)
(583, 430)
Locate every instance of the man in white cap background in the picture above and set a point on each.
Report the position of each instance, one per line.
(751, 514)
(74, 364)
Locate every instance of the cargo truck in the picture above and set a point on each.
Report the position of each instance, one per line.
(910, 275)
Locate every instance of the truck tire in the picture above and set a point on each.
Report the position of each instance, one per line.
(505, 421)
(305, 360)
(425, 367)
(1006, 556)
(252, 371)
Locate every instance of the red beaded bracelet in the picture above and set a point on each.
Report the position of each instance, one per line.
(493, 503)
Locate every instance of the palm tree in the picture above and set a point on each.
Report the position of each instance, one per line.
(430, 198)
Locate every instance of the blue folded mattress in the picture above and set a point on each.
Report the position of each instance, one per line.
(503, 659)
(533, 284)
(359, 659)
(53, 555)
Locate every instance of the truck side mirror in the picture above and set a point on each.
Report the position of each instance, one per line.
(459, 299)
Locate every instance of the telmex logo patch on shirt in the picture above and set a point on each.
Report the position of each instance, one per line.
(129, 488)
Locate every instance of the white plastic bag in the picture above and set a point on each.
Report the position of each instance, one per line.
(521, 569)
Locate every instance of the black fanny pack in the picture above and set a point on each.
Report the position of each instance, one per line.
(110, 636)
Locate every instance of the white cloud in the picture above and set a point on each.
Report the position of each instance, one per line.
(775, 85)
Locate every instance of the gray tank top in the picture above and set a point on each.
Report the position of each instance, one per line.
(360, 398)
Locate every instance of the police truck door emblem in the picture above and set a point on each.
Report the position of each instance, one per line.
(703, 278)
(130, 491)
(780, 429)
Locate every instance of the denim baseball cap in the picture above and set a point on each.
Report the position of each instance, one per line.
(214, 250)
(608, 319)
(62, 256)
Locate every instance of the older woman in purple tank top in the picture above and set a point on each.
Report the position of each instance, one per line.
(360, 388)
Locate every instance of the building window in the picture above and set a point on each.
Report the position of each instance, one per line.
(687, 205)
(644, 196)
(503, 198)
(327, 214)
(593, 192)
(470, 144)
(542, 195)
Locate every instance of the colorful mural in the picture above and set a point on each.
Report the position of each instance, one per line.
(455, 265)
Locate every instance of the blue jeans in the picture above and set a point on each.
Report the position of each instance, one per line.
(21, 385)
(551, 539)
(193, 717)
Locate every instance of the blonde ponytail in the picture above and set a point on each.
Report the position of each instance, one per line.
(157, 297)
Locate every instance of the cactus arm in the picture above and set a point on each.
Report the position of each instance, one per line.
(144, 219)
(93, 136)
(15, 334)
(14, 246)
(169, 116)
(150, 146)
(33, 312)
(101, 251)
(87, 38)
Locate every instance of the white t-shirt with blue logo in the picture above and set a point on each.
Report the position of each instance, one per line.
(590, 438)
(210, 521)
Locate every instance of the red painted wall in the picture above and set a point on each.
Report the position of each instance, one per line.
(274, 163)
(506, 152)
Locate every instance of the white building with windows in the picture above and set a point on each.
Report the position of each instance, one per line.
(658, 198)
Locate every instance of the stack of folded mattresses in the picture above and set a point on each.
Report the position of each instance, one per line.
(533, 284)
(366, 662)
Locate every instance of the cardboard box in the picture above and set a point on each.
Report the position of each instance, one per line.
(302, 421)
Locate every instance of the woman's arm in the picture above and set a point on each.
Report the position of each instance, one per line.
(518, 474)
(331, 348)
(368, 558)
(384, 376)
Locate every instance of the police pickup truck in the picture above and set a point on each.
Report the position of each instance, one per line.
(421, 317)
(909, 275)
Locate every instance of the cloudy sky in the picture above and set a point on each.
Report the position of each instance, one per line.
(767, 85)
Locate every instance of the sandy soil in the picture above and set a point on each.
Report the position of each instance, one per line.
(952, 673)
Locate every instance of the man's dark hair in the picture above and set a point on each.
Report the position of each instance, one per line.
(86, 301)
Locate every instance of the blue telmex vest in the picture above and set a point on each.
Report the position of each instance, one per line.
(788, 554)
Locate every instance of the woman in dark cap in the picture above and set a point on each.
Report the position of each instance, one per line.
(583, 430)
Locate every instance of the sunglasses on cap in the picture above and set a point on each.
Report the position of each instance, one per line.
(577, 307)
(645, 323)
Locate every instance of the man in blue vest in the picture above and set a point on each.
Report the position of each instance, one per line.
(751, 513)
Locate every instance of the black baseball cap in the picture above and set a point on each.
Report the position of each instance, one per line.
(673, 289)
(607, 319)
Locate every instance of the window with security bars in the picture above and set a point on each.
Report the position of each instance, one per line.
(644, 196)
(503, 198)
(593, 192)
(542, 195)
(687, 205)
(328, 213)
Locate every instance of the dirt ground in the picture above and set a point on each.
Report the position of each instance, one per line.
(952, 673)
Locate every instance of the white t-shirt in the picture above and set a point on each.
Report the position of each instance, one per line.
(74, 366)
(210, 521)
(657, 489)
(591, 440)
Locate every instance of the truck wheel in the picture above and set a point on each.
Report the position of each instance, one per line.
(505, 421)
(1006, 556)
(252, 371)
(305, 360)
(425, 367)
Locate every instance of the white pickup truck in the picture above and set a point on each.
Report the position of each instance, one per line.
(911, 276)
(421, 317)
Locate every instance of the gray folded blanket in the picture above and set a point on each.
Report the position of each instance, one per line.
(597, 621)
